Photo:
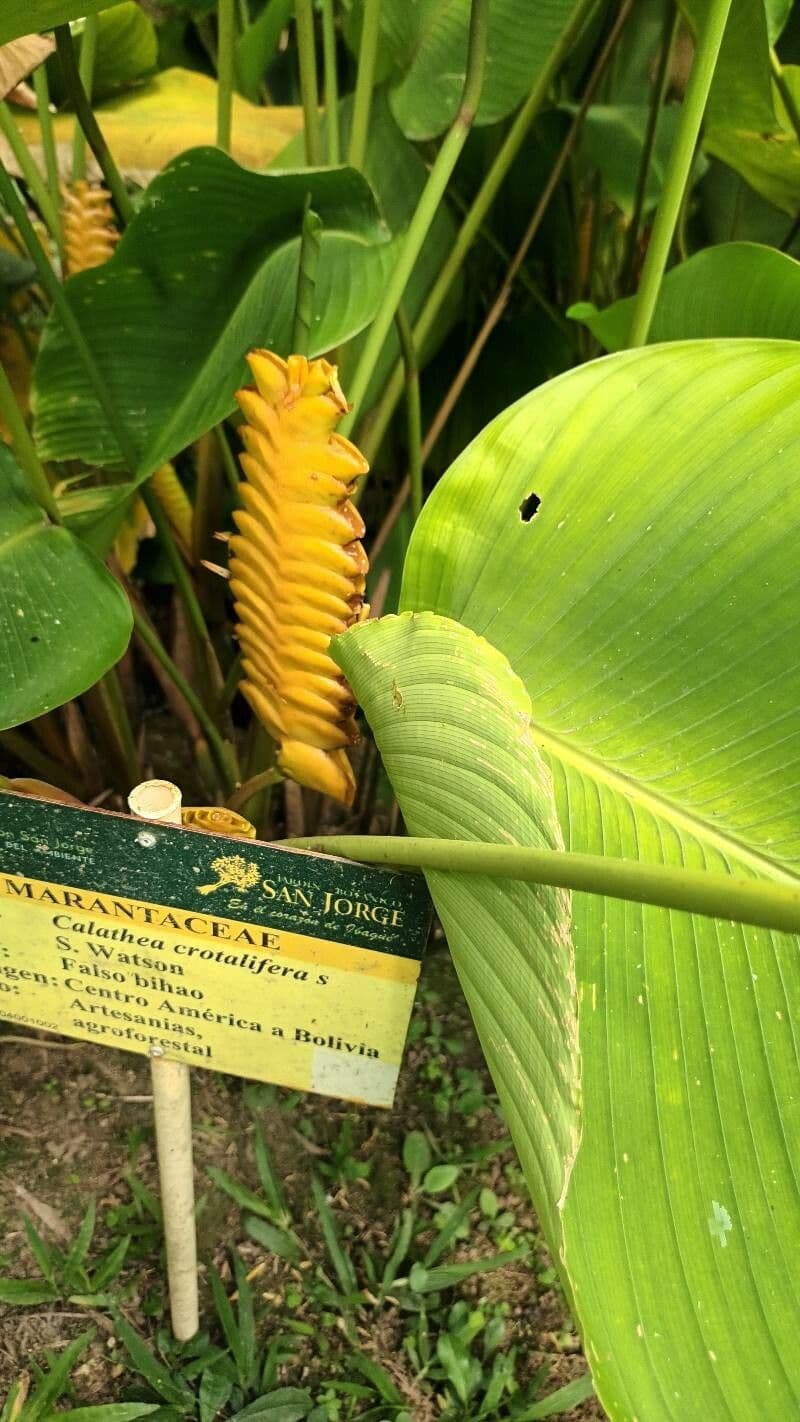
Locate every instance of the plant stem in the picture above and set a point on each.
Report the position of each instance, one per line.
(30, 172)
(306, 280)
(501, 300)
(215, 741)
(427, 207)
(88, 122)
(252, 787)
(25, 450)
(230, 685)
(413, 412)
(362, 102)
(679, 168)
(372, 436)
(525, 277)
(226, 58)
(756, 901)
(86, 73)
(109, 691)
(51, 770)
(42, 88)
(331, 82)
(672, 20)
(307, 56)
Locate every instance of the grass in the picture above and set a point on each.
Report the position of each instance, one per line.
(361, 1264)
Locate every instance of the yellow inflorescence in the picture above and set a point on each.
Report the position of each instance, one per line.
(88, 221)
(298, 570)
(174, 500)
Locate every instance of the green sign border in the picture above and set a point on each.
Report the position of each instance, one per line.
(166, 865)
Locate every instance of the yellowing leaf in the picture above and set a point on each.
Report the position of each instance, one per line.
(148, 126)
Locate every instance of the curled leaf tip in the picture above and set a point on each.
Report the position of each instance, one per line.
(298, 569)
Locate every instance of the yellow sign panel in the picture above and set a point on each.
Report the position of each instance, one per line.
(272, 1001)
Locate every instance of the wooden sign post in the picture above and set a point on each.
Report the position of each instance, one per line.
(198, 949)
(160, 800)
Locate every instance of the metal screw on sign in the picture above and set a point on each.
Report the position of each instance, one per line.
(172, 1109)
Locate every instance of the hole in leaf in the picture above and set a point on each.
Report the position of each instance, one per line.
(529, 506)
(34, 639)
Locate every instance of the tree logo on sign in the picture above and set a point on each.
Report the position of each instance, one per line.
(231, 869)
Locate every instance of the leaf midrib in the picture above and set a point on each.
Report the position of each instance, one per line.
(727, 844)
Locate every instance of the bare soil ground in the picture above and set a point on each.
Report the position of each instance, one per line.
(75, 1121)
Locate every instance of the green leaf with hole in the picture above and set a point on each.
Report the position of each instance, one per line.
(735, 289)
(206, 270)
(23, 17)
(650, 603)
(63, 619)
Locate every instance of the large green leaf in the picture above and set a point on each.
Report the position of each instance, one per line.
(769, 161)
(736, 289)
(126, 51)
(731, 211)
(741, 92)
(778, 12)
(23, 17)
(206, 270)
(63, 619)
(651, 607)
(451, 721)
(612, 140)
(427, 42)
